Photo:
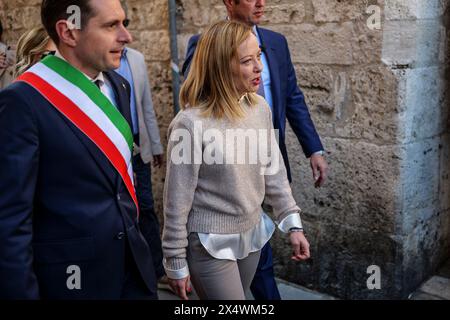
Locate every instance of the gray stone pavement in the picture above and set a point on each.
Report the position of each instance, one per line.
(288, 291)
(436, 288)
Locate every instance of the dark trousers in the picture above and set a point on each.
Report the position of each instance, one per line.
(263, 286)
(148, 221)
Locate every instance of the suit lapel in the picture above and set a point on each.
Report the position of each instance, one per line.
(271, 55)
(121, 94)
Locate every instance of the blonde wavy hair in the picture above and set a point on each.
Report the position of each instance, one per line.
(209, 84)
(30, 47)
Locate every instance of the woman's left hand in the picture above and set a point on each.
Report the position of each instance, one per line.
(300, 246)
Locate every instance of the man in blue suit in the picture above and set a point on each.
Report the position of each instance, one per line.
(68, 213)
(280, 89)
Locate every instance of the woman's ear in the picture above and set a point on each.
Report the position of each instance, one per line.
(66, 33)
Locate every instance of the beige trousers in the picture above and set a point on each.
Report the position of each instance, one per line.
(216, 279)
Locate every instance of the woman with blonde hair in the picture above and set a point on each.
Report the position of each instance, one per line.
(214, 225)
(32, 46)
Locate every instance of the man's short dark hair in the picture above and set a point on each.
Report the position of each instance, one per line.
(54, 10)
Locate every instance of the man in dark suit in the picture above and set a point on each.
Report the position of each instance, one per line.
(68, 210)
(280, 89)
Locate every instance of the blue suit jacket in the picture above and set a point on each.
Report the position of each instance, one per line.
(61, 204)
(288, 99)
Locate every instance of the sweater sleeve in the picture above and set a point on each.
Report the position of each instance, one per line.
(179, 188)
(278, 192)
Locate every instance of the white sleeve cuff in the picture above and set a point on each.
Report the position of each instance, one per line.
(320, 153)
(291, 221)
(176, 274)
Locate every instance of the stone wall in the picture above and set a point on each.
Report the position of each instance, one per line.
(378, 100)
(384, 122)
(415, 48)
(353, 99)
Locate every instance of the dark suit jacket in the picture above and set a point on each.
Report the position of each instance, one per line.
(288, 99)
(62, 203)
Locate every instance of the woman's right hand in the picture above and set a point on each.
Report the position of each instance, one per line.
(300, 246)
(181, 287)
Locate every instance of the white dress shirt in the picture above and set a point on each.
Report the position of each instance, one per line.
(239, 245)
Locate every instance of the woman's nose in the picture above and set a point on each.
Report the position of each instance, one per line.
(259, 67)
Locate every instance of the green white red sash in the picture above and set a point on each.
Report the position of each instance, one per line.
(82, 102)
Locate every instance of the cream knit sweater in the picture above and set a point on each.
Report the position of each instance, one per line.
(203, 196)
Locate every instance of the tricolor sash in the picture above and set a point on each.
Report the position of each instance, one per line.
(83, 104)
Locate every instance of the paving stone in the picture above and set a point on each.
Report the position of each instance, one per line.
(437, 286)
